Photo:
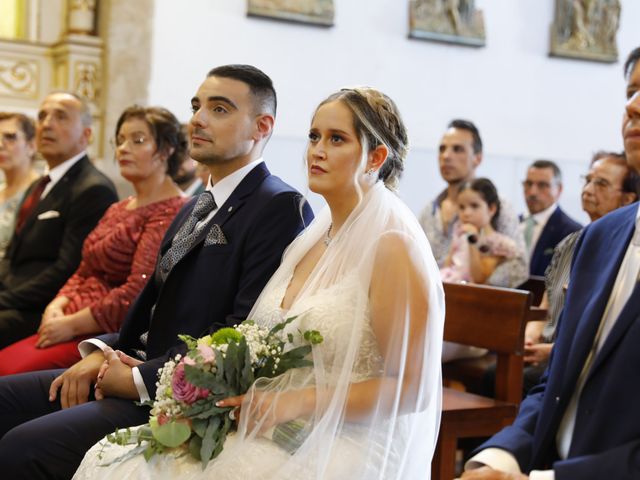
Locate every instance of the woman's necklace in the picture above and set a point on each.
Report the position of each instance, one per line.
(327, 236)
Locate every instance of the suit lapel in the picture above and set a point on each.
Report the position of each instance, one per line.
(595, 297)
(57, 191)
(233, 204)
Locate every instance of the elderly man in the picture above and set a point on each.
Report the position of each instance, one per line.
(546, 225)
(581, 421)
(56, 215)
(460, 153)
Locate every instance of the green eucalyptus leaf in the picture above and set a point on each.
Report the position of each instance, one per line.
(209, 440)
(195, 444)
(281, 325)
(172, 434)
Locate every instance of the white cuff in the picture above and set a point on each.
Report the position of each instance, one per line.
(542, 475)
(504, 461)
(140, 386)
(495, 458)
(89, 345)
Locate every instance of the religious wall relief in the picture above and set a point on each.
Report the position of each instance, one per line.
(586, 29)
(451, 21)
(316, 12)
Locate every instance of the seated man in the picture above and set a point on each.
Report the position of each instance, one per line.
(581, 421)
(216, 257)
(547, 224)
(56, 215)
(460, 153)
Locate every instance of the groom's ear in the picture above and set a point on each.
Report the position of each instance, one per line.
(264, 126)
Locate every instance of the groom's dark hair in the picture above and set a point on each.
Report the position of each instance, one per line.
(259, 83)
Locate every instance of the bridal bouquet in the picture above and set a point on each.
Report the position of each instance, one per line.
(217, 366)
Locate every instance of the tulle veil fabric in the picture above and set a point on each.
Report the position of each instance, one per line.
(382, 249)
(376, 297)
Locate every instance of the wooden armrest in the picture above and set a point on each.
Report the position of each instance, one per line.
(536, 314)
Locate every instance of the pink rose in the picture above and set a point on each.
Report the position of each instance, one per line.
(184, 391)
(207, 353)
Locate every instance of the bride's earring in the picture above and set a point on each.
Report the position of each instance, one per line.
(371, 175)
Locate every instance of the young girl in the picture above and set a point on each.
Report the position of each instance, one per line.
(477, 249)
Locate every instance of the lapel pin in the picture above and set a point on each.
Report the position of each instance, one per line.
(230, 208)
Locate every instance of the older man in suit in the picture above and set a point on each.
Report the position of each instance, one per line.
(214, 261)
(547, 224)
(582, 420)
(58, 212)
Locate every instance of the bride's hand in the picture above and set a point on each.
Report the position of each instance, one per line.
(267, 409)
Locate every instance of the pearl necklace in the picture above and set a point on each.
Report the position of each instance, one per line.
(327, 236)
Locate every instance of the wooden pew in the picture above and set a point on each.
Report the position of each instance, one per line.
(492, 318)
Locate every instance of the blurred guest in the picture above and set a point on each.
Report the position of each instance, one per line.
(460, 153)
(17, 150)
(187, 176)
(119, 254)
(477, 248)
(57, 214)
(546, 223)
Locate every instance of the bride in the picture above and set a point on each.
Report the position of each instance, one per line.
(363, 275)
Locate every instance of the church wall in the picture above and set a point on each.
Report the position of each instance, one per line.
(526, 104)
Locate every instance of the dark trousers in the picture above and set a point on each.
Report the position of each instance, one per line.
(39, 440)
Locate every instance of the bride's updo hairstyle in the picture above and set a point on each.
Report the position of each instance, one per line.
(377, 121)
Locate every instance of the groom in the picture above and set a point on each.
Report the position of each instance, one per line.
(213, 263)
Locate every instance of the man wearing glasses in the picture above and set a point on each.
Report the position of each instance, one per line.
(546, 224)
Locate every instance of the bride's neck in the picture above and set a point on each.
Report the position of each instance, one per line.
(341, 205)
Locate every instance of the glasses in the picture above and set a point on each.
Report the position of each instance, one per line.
(598, 183)
(136, 141)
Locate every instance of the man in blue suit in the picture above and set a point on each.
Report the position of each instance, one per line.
(582, 420)
(213, 263)
(546, 224)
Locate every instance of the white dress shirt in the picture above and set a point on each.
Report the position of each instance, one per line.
(221, 192)
(626, 279)
(57, 172)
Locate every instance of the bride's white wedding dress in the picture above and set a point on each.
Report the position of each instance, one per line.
(336, 302)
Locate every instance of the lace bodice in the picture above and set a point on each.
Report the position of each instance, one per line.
(330, 311)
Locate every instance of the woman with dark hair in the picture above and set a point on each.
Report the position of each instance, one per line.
(17, 151)
(119, 254)
(363, 275)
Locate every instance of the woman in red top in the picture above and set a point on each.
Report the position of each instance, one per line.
(120, 253)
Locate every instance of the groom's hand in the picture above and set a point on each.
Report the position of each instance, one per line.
(117, 379)
(75, 383)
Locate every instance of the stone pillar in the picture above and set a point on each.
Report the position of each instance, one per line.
(77, 64)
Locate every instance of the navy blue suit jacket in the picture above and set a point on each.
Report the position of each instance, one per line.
(216, 285)
(606, 439)
(558, 226)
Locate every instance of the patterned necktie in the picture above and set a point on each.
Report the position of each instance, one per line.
(31, 202)
(187, 234)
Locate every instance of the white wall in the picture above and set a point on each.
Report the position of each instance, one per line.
(526, 104)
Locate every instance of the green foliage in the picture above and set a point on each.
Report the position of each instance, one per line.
(191, 342)
(172, 434)
(226, 335)
(313, 337)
